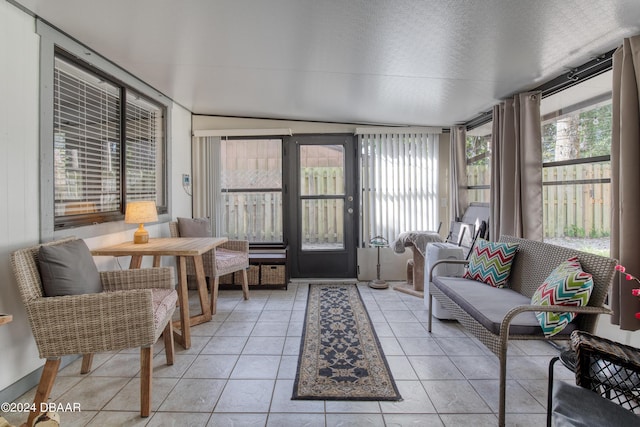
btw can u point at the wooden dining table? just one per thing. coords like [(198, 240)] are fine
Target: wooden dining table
[(182, 248)]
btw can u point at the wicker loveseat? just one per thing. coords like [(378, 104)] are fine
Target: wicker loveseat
[(495, 315)]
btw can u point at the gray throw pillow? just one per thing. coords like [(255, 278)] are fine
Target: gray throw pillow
[(194, 227), (68, 269)]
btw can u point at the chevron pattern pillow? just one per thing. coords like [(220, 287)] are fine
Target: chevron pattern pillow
[(490, 262), (567, 285)]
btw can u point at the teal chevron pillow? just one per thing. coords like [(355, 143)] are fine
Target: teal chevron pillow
[(490, 262), (568, 285)]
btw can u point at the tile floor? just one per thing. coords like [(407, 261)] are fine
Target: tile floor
[(241, 368)]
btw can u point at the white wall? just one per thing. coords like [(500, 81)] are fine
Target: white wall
[(20, 180)]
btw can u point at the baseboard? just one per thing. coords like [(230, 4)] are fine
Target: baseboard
[(29, 381)]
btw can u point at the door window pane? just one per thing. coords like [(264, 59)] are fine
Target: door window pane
[(321, 170), (322, 224)]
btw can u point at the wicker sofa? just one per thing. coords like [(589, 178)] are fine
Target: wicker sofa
[(495, 315)]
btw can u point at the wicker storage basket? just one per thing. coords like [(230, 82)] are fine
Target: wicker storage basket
[(272, 274), (253, 276), (227, 279)]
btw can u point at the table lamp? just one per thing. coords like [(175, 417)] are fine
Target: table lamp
[(139, 213)]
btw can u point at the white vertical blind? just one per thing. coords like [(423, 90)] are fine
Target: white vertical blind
[(205, 167), (399, 183)]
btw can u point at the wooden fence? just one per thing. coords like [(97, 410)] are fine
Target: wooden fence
[(579, 209), (258, 216)]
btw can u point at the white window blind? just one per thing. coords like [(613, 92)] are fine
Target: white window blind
[(143, 136), (87, 142), (105, 153), (399, 183)]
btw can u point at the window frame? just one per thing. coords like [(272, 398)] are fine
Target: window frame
[(578, 107), (52, 43), (469, 161)]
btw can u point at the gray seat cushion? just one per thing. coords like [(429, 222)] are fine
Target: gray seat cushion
[(578, 406), (489, 305)]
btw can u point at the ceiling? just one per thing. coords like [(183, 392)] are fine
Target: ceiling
[(395, 62)]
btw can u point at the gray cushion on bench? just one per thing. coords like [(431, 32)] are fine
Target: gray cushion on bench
[(489, 305)]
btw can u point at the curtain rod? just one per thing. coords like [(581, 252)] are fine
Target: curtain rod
[(575, 75)]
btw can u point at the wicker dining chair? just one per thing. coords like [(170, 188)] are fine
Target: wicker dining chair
[(133, 310), (229, 257)]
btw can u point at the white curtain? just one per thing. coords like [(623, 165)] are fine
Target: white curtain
[(204, 164), (399, 177)]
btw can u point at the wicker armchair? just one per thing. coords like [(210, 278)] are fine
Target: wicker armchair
[(133, 310), (608, 376), (227, 258)]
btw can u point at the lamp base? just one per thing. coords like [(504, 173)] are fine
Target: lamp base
[(141, 235), (378, 284)]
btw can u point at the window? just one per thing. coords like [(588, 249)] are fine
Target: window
[(250, 205), (576, 147), (109, 146), (478, 155)]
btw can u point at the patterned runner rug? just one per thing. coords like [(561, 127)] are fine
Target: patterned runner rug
[(340, 355)]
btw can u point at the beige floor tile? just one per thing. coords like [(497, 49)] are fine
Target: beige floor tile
[(239, 420), (128, 399), (217, 366), (193, 395), (296, 420), (518, 399), (355, 420), (264, 345), (117, 419), (455, 396), (434, 368), (225, 345), (178, 419), (477, 367), (282, 401), (475, 420), (417, 420), (93, 393), (420, 346), (246, 396), (353, 406), (257, 367), (414, 400)]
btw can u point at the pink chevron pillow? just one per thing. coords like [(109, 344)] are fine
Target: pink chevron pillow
[(490, 262), (567, 285)]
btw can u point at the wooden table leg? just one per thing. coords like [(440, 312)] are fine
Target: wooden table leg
[(156, 260), (184, 337), (136, 261), (202, 289)]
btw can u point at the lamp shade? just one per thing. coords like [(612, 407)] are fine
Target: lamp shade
[(141, 212)]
